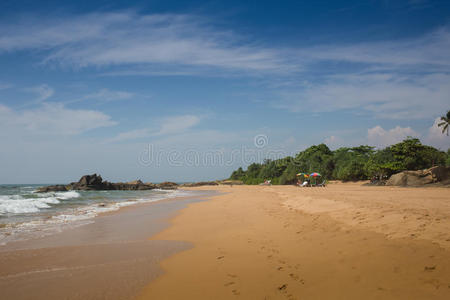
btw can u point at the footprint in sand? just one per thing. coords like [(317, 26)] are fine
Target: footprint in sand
[(229, 283), (236, 292), (429, 268), (297, 278)]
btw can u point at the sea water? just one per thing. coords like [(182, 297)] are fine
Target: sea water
[(24, 213)]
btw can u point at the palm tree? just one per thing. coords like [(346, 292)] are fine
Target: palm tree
[(445, 121)]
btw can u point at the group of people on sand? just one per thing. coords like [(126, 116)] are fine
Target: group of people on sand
[(307, 183), (305, 180), (266, 182)]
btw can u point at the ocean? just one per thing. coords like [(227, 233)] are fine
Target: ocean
[(26, 214)]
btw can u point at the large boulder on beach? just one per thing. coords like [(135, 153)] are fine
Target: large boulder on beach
[(420, 177)]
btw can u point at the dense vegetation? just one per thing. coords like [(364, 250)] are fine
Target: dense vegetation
[(356, 163)]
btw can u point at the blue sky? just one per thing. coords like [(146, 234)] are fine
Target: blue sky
[(190, 90)]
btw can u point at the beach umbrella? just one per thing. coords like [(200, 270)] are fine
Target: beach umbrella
[(315, 174), (303, 174)]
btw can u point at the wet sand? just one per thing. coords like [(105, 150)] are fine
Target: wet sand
[(111, 258), (344, 241)]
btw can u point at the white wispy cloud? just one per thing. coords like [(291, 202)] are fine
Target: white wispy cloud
[(131, 135), (190, 40), (106, 95), (103, 96), (172, 125), (50, 119), (178, 124), (129, 38), (397, 79), (4, 86), (43, 92), (427, 51), (382, 95)]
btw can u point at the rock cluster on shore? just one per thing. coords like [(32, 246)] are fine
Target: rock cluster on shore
[(200, 183), (95, 182), (421, 177), (211, 183)]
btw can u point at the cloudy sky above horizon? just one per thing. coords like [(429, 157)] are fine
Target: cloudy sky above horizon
[(190, 90)]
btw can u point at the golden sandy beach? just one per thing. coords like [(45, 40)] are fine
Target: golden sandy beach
[(345, 241)]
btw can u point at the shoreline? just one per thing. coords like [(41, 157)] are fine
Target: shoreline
[(54, 221), (111, 258), (280, 242)]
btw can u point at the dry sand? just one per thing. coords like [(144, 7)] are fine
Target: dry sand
[(344, 241)]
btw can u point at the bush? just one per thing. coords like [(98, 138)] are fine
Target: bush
[(355, 163)]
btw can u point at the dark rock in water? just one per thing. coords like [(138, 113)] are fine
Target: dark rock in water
[(136, 182), (201, 183), (95, 182), (420, 177), (132, 185), (167, 185), (53, 188), (212, 183), (146, 186), (91, 182)]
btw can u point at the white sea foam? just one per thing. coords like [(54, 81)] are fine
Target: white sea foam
[(67, 195), (73, 217), (17, 204), (93, 210)]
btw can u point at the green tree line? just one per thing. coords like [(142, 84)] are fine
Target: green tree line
[(354, 163)]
